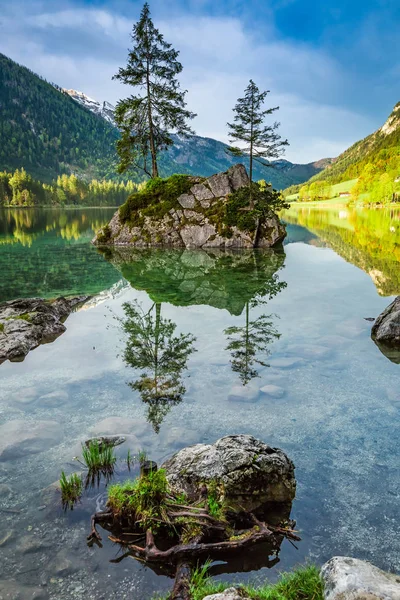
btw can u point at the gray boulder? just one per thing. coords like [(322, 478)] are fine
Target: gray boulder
[(353, 579), (251, 473), (386, 329), (28, 322)]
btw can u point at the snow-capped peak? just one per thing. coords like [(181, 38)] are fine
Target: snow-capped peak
[(105, 109)]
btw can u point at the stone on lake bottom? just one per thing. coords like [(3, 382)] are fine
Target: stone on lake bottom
[(273, 390), (243, 393), (286, 363), (19, 438), (13, 590)]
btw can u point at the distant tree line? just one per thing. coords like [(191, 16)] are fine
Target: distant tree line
[(20, 189)]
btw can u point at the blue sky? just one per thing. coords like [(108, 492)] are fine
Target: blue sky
[(332, 67)]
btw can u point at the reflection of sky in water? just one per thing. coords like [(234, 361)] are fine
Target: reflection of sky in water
[(338, 421)]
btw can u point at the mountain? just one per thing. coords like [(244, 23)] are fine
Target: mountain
[(380, 149), (49, 130), (105, 110), (203, 156)]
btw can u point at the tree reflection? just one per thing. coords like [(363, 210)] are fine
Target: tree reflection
[(249, 343), (153, 348)]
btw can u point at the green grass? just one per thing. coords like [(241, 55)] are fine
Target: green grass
[(336, 189), (71, 489), (1, 327), (304, 583), (98, 457), (141, 500)]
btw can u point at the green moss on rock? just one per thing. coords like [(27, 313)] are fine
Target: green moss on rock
[(155, 200), (104, 237)]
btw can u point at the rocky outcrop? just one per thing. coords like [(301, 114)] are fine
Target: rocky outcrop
[(29, 322), (251, 473), (191, 223), (386, 329), (354, 579)]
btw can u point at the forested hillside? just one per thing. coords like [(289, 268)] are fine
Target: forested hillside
[(49, 131), (46, 132), (373, 161)]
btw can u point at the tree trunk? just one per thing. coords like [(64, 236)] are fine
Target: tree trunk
[(251, 151), (154, 167)]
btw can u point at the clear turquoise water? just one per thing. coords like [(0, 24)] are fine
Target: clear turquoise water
[(338, 418)]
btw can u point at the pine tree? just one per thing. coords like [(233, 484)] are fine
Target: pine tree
[(147, 119), (261, 141)]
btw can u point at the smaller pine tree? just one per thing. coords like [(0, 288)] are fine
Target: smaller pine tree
[(261, 142)]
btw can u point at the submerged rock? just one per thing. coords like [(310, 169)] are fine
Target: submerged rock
[(19, 438), (356, 579), (194, 221), (28, 322), (13, 590), (111, 440), (251, 473)]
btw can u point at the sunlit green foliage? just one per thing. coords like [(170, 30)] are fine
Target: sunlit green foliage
[(146, 119), (20, 189)]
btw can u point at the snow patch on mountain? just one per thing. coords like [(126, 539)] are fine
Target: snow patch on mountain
[(104, 109)]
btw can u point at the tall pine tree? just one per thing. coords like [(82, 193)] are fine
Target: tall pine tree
[(146, 120), (260, 141)]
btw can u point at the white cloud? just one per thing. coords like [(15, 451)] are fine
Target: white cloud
[(219, 57)]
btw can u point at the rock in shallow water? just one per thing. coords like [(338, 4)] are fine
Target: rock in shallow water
[(251, 472), (348, 578), (386, 329), (28, 322)]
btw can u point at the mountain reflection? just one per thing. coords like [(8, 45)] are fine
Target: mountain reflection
[(367, 238), (153, 348)]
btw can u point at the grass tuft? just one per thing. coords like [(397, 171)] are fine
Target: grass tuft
[(71, 489), (98, 457)]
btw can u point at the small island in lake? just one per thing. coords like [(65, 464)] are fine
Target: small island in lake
[(197, 212)]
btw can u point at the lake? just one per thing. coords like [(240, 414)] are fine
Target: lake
[(336, 414)]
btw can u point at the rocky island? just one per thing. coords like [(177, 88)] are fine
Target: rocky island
[(195, 212)]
